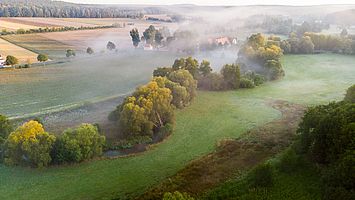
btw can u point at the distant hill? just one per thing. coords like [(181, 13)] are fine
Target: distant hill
[(346, 17), (48, 8)]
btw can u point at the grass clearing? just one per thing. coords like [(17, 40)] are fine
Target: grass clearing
[(212, 116)]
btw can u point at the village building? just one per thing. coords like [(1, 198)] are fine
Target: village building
[(2, 62)]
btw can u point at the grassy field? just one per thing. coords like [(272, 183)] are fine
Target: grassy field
[(43, 89), (24, 55), (310, 79)]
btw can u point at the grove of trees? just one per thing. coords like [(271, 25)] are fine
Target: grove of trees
[(31, 145), (262, 56)]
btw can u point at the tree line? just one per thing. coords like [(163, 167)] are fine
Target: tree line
[(311, 42), (47, 8), (53, 29)]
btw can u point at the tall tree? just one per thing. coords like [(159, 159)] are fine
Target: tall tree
[(135, 37), (149, 34)]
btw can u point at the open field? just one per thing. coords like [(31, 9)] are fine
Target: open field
[(54, 87), (24, 55), (43, 89), (55, 43), (310, 79)]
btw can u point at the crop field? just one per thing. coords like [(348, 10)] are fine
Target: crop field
[(310, 79), (24, 55)]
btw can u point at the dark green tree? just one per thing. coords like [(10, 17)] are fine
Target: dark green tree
[(42, 58), (89, 50), (110, 46), (135, 37)]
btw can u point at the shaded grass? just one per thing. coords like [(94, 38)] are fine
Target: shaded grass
[(302, 184)]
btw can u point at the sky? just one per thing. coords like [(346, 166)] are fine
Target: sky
[(217, 2)]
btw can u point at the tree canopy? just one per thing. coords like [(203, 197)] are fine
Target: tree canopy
[(11, 60), (29, 144)]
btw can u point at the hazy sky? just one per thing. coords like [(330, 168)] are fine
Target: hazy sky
[(218, 2)]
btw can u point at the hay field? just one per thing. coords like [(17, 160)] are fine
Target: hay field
[(24, 55), (8, 25), (15, 23)]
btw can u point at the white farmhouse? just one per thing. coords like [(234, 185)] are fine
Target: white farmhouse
[(2, 62)]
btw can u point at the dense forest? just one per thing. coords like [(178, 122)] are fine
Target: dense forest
[(47, 8)]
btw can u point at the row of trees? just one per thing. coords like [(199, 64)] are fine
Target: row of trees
[(151, 36), (53, 29), (31, 145), (277, 24), (327, 137), (47, 8), (315, 42)]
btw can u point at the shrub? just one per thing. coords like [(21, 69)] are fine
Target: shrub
[(212, 81), (246, 83), (350, 94), (29, 144), (231, 76), (289, 161), (78, 144), (261, 176), (164, 131), (339, 179), (177, 196)]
